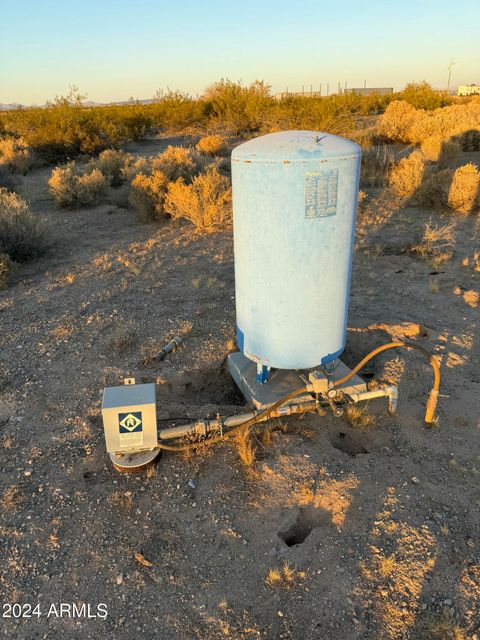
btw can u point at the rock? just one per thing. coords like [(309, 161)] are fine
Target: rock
[(415, 480)]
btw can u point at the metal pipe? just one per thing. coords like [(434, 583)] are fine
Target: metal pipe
[(168, 348), (387, 392), (205, 427)]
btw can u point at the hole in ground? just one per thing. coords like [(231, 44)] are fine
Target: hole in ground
[(212, 385), (308, 518), (351, 442)]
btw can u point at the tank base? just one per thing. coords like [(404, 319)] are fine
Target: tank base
[(280, 381), (133, 462)]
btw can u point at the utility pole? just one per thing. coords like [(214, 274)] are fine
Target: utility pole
[(450, 66)]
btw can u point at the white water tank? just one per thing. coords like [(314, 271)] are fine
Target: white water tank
[(294, 205)]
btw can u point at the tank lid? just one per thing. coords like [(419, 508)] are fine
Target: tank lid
[(295, 146)]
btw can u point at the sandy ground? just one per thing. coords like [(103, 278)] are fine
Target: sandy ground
[(382, 522)]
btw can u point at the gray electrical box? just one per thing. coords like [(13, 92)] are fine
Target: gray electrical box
[(130, 418)]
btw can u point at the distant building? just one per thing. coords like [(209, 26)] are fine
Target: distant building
[(364, 91), (368, 91), (468, 90)]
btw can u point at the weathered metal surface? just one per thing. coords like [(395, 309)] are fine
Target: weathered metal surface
[(294, 202)]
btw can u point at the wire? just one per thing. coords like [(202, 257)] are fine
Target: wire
[(260, 417)]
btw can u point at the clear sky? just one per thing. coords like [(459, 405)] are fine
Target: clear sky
[(116, 49)]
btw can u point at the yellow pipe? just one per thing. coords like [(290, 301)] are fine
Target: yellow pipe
[(433, 396)]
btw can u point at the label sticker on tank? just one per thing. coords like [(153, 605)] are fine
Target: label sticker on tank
[(321, 189)]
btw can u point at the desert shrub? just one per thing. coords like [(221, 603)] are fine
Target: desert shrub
[(403, 123), (470, 140), (72, 185), (421, 95), (397, 120), (433, 192), (177, 110), (15, 154), (211, 145), (135, 167), (175, 163), (7, 179), (23, 236), (112, 163), (376, 165), (206, 202), (148, 194), (450, 122), (135, 122), (457, 189), (407, 175), (464, 192), (436, 245), (5, 267), (445, 152), (239, 108)]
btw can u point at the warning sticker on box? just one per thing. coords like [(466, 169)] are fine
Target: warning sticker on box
[(321, 190), (130, 429)]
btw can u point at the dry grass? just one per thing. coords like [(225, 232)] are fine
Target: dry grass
[(10, 499), (5, 268), (206, 202), (359, 416), (245, 447), (472, 262), (444, 152), (151, 471), (443, 626), (408, 174), (72, 185), (15, 154), (148, 194), (387, 566), (123, 339), (284, 577), (23, 236), (436, 245), (212, 145), (376, 164), (120, 499)]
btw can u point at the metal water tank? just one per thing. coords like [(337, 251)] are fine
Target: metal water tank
[(294, 206)]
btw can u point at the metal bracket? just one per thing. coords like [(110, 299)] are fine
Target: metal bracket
[(262, 373)]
